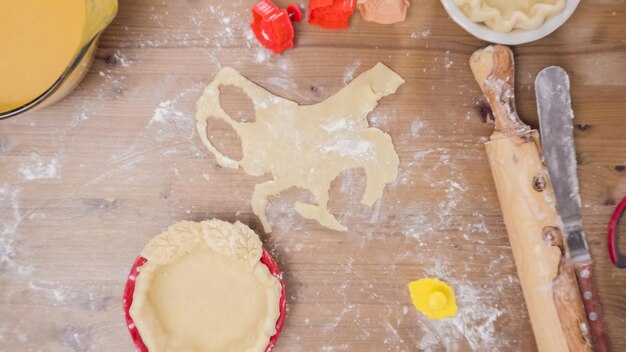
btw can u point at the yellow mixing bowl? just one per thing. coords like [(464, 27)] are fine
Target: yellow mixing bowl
[(98, 14)]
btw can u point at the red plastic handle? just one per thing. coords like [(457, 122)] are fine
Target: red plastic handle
[(129, 290), (616, 258)]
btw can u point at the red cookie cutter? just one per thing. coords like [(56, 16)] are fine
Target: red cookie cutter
[(331, 14), (272, 26), (129, 290)]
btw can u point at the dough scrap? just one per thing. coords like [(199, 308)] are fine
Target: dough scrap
[(383, 11), (506, 15), (307, 146), (204, 289)]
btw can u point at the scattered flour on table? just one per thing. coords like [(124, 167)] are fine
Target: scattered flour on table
[(229, 29), (234, 30), (447, 61), (36, 168), (262, 55), (90, 297), (170, 129), (442, 217), (175, 117), (416, 126), (10, 219), (423, 33), (329, 348), (379, 119), (121, 59), (50, 289), (474, 321), (347, 181), (78, 338), (296, 93), (164, 110), (348, 74)]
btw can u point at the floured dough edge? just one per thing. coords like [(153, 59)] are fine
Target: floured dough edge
[(236, 241), (479, 11)]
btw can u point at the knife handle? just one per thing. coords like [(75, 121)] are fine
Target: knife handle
[(584, 274)]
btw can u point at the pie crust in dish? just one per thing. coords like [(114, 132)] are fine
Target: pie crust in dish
[(203, 288), (507, 15)]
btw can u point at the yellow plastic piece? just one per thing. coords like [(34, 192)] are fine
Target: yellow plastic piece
[(434, 298)]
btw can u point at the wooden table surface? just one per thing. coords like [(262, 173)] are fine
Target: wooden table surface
[(84, 184)]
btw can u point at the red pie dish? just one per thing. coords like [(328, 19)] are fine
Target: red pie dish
[(129, 291)]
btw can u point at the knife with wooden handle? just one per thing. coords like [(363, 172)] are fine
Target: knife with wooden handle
[(557, 137), (533, 225)]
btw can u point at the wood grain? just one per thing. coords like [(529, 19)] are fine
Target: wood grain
[(129, 163)]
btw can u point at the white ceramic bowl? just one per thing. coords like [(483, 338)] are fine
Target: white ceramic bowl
[(514, 37)]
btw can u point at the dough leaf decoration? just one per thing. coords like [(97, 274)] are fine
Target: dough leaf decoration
[(247, 247), (236, 241), (218, 240)]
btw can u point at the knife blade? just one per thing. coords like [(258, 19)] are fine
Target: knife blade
[(552, 88), (557, 137)]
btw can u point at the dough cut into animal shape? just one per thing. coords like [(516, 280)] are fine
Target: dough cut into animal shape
[(307, 146), (204, 289), (506, 15)]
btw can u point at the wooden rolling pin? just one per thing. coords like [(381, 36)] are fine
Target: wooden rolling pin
[(527, 200)]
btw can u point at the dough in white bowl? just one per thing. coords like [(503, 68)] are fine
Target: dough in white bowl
[(507, 15)]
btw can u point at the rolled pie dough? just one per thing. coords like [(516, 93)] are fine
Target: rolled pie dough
[(506, 15), (204, 289), (307, 146)]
